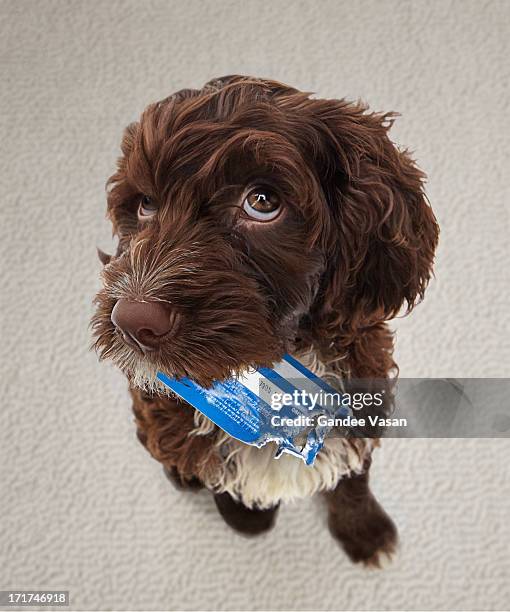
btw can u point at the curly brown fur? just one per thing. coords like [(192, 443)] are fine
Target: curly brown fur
[(352, 243), (164, 426)]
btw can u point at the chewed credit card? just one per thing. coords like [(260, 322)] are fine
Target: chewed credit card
[(277, 404)]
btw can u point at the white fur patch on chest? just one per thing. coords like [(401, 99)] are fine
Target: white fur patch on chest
[(256, 478)]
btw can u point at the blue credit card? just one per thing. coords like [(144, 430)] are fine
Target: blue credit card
[(277, 404)]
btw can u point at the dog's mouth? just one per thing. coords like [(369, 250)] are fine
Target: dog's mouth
[(142, 364), (206, 345)]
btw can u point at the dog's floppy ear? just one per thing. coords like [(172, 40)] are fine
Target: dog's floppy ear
[(381, 246), (122, 200)]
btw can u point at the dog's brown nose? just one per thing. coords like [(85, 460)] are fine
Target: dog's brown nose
[(142, 324)]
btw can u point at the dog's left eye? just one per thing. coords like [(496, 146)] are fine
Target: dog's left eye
[(147, 207), (261, 204)]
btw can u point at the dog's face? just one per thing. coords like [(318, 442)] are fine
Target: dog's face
[(252, 220)]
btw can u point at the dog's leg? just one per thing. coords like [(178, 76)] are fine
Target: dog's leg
[(359, 523), (246, 521)]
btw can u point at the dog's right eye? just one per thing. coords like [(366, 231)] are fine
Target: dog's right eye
[(147, 207)]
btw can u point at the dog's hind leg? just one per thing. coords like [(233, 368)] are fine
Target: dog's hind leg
[(247, 521), (358, 522)]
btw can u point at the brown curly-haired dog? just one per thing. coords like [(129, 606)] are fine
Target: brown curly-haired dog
[(254, 220)]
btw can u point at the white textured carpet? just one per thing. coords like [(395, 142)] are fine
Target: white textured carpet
[(82, 506)]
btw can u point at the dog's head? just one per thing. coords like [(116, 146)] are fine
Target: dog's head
[(253, 220)]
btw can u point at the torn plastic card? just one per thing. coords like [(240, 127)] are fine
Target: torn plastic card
[(245, 406)]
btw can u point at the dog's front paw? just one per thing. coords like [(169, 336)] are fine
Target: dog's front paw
[(246, 521), (370, 537)]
